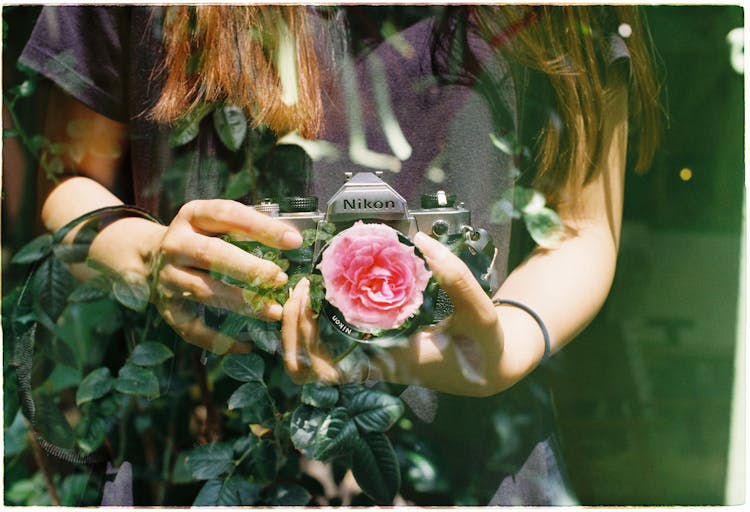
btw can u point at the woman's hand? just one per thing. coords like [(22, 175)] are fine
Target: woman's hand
[(187, 252), (461, 355)]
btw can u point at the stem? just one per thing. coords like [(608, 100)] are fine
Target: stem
[(150, 452), (123, 433), (165, 463), (346, 352), (17, 126), (39, 459), (213, 425), (280, 458)]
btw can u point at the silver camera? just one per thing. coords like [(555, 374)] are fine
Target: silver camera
[(366, 197)]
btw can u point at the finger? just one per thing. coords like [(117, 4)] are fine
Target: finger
[(189, 249), (320, 360), (456, 279), (290, 336), (225, 216), (181, 317), (198, 286)]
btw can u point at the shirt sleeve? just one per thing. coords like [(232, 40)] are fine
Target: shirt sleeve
[(83, 50)]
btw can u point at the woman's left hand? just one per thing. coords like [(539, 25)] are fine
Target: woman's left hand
[(460, 355)]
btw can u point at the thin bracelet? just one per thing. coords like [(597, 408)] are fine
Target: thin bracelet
[(533, 314)]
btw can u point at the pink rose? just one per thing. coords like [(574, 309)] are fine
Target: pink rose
[(375, 281)]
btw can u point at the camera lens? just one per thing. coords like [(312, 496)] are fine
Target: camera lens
[(298, 204)]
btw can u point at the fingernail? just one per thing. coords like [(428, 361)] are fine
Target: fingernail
[(291, 239), (430, 247), (274, 311), (280, 279)]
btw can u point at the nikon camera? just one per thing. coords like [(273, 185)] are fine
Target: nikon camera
[(366, 197)]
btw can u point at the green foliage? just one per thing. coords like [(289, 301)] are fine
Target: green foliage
[(95, 385), (187, 127), (244, 367), (232, 492), (376, 468), (374, 411), (231, 126), (136, 380), (210, 461), (150, 353), (246, 395)]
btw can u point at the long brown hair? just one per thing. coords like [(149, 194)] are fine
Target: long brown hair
[(216, 52), (224, 52), (567, 44)]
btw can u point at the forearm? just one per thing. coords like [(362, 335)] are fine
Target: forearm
[(73, 198), (566, 287)]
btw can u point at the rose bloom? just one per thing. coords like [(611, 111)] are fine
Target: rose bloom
[(376, 281)]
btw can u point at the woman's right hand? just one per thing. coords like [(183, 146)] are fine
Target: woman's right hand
[(187, 251)]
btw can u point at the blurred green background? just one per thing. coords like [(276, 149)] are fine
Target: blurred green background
[(644, 395)]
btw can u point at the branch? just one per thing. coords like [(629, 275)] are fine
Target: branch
[(39, 459), (213, 424)]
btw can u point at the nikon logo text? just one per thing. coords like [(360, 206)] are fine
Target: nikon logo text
[(340, 325), (366, 204)]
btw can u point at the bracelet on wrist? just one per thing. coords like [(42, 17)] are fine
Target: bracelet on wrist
[(534, 315)]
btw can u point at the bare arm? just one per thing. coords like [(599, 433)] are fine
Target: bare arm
[(187, 249), (566, 286)]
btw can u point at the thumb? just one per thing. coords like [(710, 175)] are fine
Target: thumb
[(456, 279)]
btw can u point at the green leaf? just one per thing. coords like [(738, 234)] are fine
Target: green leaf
[(421, 473), (150, 353), (78, 249), (133, 295), (545, 227), (234, 491), (95, 288), (79, 490), (95, 385), (50, 286), (231, 126), (210, 460), (15, 439), (306, 420), (135, 380), (266, 335), (93, 427), (290, 495), (375, 467), (319, 395), (188, 126), (264, 462), (246, 395), (51, 423), (244, 367), (62, 377), (336, 434), (503, 212), (239, 185), (181, 473), (375, 411), (35, 250), (25, 89), (504, 144), (30, 491)]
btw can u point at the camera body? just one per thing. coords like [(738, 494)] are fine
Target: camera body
[(366, 197)]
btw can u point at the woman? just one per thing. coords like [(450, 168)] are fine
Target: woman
[(450, 84)]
